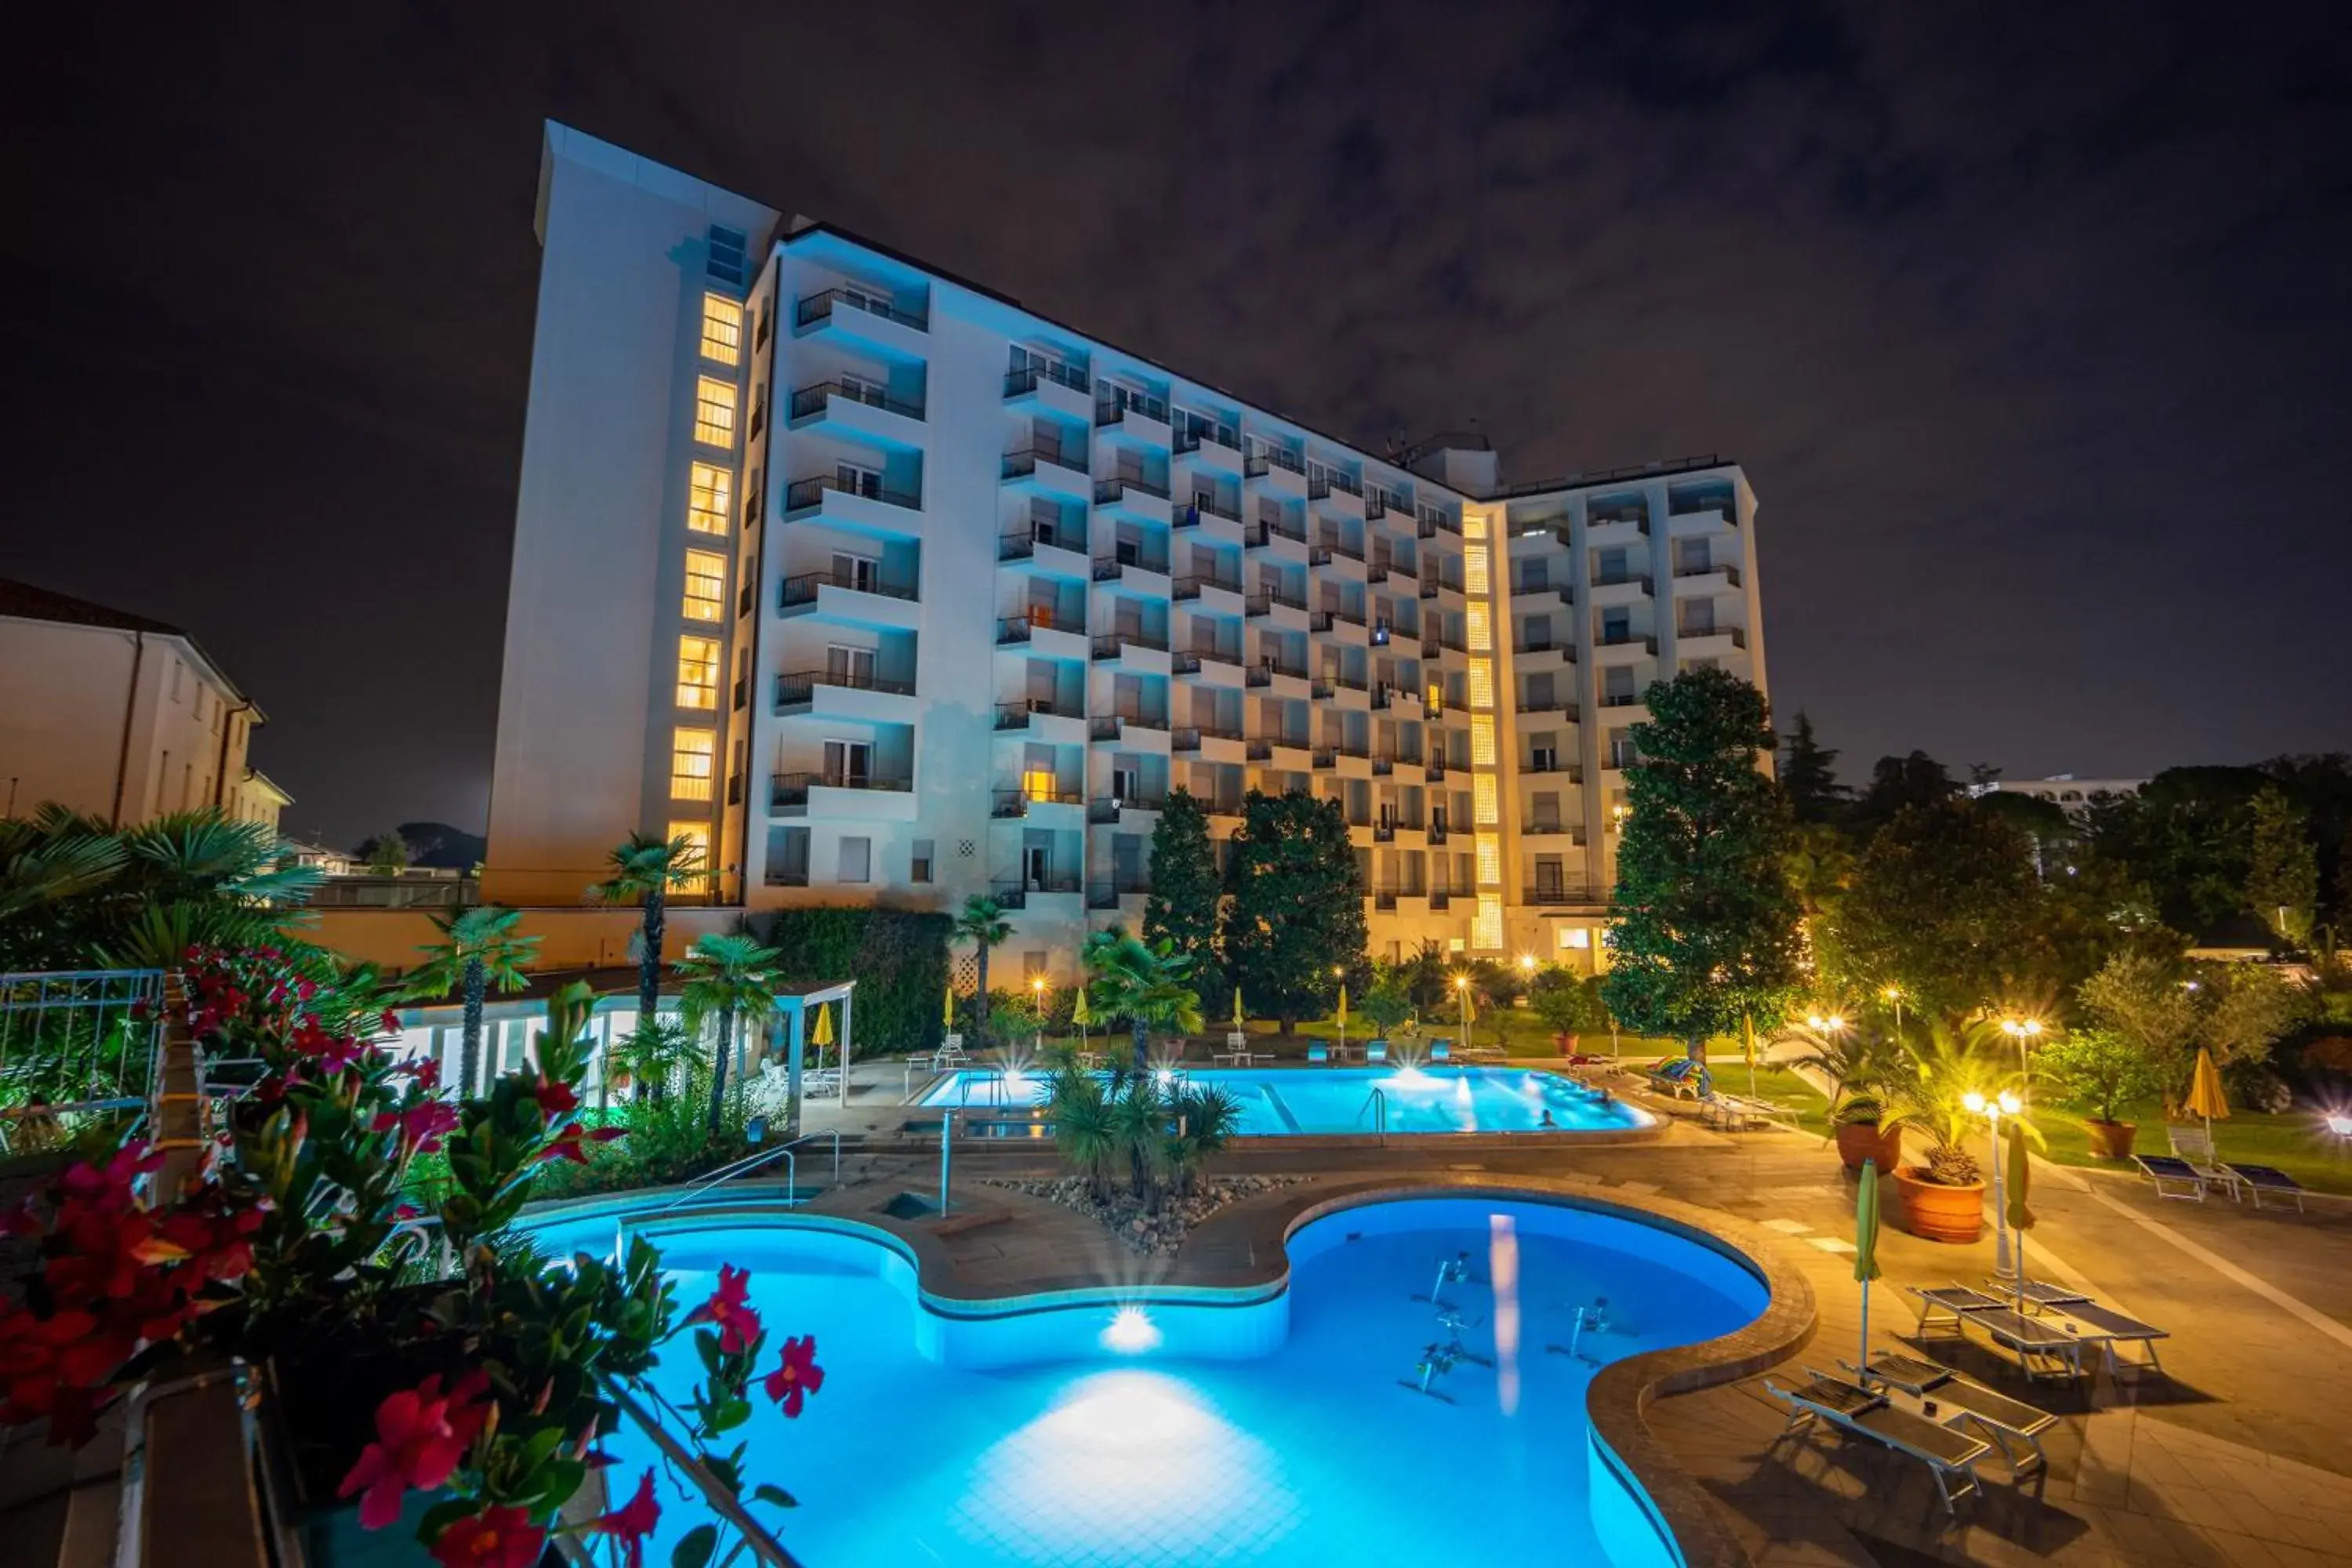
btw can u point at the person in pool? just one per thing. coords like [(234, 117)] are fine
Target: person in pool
[(1547, 1120)]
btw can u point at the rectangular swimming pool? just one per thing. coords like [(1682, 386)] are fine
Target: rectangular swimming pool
[(1295, 1102)]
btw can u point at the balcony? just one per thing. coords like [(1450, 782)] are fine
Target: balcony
[(1041, 718), (862, 318), (1703, 512), (1212, 445), (1618, 590), (1621, 700), (1016, 804), (1051, 552), (845, 694), (1713, 643), (862, 507), (1066, 390), (1268, 461), (1553, 768), (1108, 895), (1726, 576), (1616, 525), (1619, 646), (1187, 588), (859, 410), (865, 795), (1550, 828), (1039, 631), (850, 598), (1134, 496), (1204, 505), (1016, 894), (1046, 469), (1145, 727), (1561, 895), (1138, 415)]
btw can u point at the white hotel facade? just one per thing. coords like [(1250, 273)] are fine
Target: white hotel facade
[(891, 589)]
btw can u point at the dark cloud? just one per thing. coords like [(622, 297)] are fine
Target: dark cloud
[(2031, 323)]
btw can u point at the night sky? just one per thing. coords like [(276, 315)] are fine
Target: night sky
[(2031, 326)]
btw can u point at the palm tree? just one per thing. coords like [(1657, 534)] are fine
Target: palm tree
[(1080, 1110), (982, 924), (1138, 1129), (730, 976), (1928, 1090), (1145, 983), (644, 871), (1203, 1117), (479, 948)]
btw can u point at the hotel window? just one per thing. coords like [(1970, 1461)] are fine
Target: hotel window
[(710, 494), (691, 754), (698, 835), (697, 673), (722, 330), (706, 586), (714, 412), (918, 866)]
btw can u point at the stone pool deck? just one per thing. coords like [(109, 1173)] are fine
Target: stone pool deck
[(2240, 1459)]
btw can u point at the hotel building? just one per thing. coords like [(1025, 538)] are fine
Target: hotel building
[(886, 587)]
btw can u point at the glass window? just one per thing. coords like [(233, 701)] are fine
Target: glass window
[(706, 586), (698, 672), (698, 835), (710, 494), (722, 330), (714, 412), (691, 754), (919, 869)]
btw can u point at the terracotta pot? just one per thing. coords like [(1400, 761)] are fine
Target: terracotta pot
[(2111, 1140), (1860, 1141), (1566, 1044), (1935, 1212)]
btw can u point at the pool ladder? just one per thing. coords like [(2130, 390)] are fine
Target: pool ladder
[(1377, 1103)]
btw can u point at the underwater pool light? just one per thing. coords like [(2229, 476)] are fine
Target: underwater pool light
[(1131, 1331)]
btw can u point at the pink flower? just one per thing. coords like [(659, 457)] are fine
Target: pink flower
[(495, 1537), (731, 1310), (554, 1097), (566, 1145), (631, 1523), (796, 1376), (422, 1125), (422, 1433)]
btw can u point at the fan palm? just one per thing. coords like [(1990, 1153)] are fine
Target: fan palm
[(53, 859), (1079, 1109), (1138, 1129), (1145, 983), (1929, 1088), (982, 924), (479, 948), (1203, 1117), (730, 977), (644, 871)]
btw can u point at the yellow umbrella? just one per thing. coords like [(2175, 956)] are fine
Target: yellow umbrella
[(1237, 1008), (2205, 1096), (2019, 1217), (1081, 1015), (1343, 1004), (947, 1013), (1865, 1246), (820, 1032)]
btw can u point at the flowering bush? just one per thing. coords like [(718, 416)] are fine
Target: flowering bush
[(489, 1380)]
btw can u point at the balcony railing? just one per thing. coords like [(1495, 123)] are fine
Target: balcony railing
[(1190, 587), (1624, 639), (800, 685), (1189, 437), (1016, 715), (1636, 516), (1014, 630), (1203, 504), (1257, 464), (802, 588), (1114, 490), (1552, 895), (812, 400), (1285, 597), (1730, 573), (792, 789), (1109, 568), (1114, 404), (1023, 463), (812, 309), (1738, 634), (1016, 894), (786, 877), (1113, 645), (1021, 383), (1013, 802), (1620, 699), (802, 494), (1022, 546), (1106, 894)]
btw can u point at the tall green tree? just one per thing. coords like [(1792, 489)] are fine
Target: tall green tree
[(2186, 836), (644, 871), (734, 979), (1146, 983), (1897, 783), (481, 949), (1296, 905), (982, 923), (1945, 903), (386, 853), (1703, 930), (1809, 775), (2281, 865), (1187, 891)]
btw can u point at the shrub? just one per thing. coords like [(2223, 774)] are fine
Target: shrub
[(2101, 1072), (899, 958)]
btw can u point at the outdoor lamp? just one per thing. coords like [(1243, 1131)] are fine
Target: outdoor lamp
[(1974, 1102), (1528, 962), (2339, 1123), (1461, 982)]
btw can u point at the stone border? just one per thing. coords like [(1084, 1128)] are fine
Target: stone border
[(1615, 1405)]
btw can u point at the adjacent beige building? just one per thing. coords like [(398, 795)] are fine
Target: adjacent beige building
[(119, 717)]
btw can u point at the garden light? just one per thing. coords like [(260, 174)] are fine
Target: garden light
[(2339, 1123)]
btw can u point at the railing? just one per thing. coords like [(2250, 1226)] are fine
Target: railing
[(1203, 501), (809, 400), (802, 494), (1730, 573), (74, 1043), (1738, 634), (812, 309), (1106, 894), (1021, 546), (1019, 464), (1437, 829), (792, 789), (1114, 490), (1638, 517), (1113, 404), (1190, 437), (1610, 475), (1550, 895), (1624, 639), (1017, 628), (1013, 802), (802, 588), (786, 877), (1015, 894), (1022, 382), (1110, 568), (800, 685), (396, 893), (1286, 598), (1377, 1103)]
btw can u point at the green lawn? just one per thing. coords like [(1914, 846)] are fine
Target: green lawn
[(2294, 1142)]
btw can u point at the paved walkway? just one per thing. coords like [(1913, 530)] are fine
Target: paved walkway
[(2241, 1457)]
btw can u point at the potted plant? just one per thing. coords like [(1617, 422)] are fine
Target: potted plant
[(1862, 1136), (1929, 1089), (1854, 1060), (1569, 1006), (2103, 1073)]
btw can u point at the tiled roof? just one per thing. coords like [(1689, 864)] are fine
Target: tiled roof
[(27, 602)]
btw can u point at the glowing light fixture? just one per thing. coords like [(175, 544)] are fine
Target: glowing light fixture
[(1131, 1331)]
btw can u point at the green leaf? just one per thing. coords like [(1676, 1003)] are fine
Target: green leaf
[(695, 1550), (767, 1492)]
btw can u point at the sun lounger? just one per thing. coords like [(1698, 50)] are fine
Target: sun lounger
[(2034, 1341), (1375, 1051), (2195, 1145), (1942, 1306), (1319, 1054), (1950, 1455), (1680, 1078), (2106, 1328), (2174, 1176), (2035, 1292), (2261, 1180), (1441, 1051), (1941, 1395)]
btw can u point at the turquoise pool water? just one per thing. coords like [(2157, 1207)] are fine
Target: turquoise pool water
[(1294, 1100), (1139, 1429)]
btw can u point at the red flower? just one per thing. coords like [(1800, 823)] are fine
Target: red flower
[(631, 1523), (390, 1023), (495, 1537), (738, 1322), (422, 1433), (554, 1097), (565, 1145), (796, 1376), (422, 1125)]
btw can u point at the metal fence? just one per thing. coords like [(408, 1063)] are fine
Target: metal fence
[(74, 1045)]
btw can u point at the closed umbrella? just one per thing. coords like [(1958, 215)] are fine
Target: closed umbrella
[(2019, 1217), (821, 1034), (947, 1008), (1342, 1016), (1081, 1015), (1865, 1246), (1237, 1008), (2205, 1096)]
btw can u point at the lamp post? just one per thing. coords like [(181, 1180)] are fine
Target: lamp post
[(1893, 994), (1462, 990), (1340, 972), (2023, 1031), (1992, 1111), (1827, 1024), (1038, 994)]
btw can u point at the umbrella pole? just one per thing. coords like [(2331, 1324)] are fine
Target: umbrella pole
[(1864, 1364)]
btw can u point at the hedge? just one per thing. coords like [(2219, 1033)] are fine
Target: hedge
[(899, 958)]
